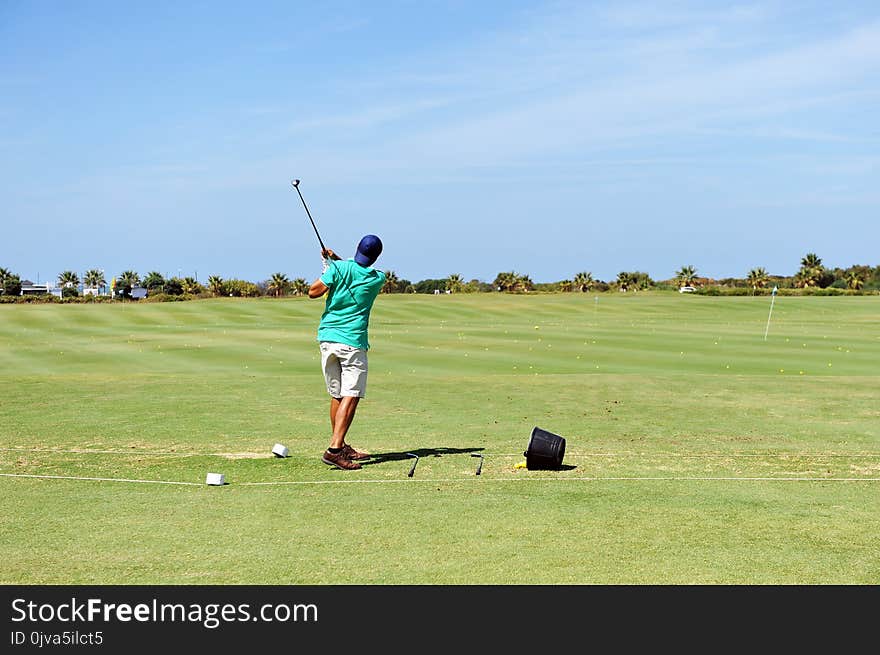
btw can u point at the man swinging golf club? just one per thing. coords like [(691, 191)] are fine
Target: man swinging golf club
[(351, 287)]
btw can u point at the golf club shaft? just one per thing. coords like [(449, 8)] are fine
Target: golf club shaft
[(311, 220)]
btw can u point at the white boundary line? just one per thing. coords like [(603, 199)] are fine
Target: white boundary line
[(565, 479), (71, 477), (686, 455), (449, 480), (269, 455), (86, 451)]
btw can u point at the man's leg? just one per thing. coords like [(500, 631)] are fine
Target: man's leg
[(341, 415), (334, 407), (342, 408)]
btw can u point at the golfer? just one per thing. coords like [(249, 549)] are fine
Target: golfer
[(351, 287)]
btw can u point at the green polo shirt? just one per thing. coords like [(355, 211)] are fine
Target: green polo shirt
[(352, 290)]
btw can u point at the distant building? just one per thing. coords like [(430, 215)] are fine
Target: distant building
[(28, 288)]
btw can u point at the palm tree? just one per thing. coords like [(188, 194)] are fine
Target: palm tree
[(566, 285), (454, 283), (583, 282), (278, 284), (854, 281), (125, 281), (299, 286), (391, 281), (128, 279), (68, 279), (10, 285), (758, 278), (173, 286), (808, 276), (94, 278), (506, 281), (153, 281), (643, 280), (191, 286), (686, 276), (811, 260), (5, 274), (624, 280), (215, 283), (811, 272), (521, 283)]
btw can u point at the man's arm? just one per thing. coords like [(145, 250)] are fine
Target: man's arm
[(318, 289)]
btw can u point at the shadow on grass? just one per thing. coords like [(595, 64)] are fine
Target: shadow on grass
[(379, 458)]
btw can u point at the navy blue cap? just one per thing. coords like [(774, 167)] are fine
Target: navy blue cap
[(368, 250)]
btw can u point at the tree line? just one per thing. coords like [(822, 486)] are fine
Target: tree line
[(812, 274)]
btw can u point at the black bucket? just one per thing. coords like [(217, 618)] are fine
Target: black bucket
[(545, 450)]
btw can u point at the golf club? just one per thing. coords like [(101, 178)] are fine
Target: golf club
[(480, 465), (295, 184), (413, 469)]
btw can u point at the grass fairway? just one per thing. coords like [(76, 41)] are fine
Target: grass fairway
[(698, 451)]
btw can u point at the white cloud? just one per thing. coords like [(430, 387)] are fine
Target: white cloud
[(567, 88), (561, 86), (653, 15)]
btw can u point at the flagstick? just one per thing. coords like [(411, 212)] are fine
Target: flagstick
[(772, 300)]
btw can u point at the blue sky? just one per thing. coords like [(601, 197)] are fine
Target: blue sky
[(546, 138)]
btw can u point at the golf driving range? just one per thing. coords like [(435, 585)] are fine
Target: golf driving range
[(704, 443)]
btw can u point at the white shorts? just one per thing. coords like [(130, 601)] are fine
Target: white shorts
[(345, 369)]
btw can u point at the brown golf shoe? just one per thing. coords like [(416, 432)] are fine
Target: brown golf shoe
[(339, 460), (354, 454)]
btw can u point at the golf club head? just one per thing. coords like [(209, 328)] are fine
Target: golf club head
[(413, 468), (295, 183), (480, 465)]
